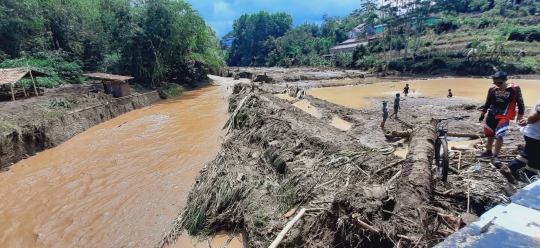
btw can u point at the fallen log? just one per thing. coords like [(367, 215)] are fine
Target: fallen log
[(414, 185), (403, 134)]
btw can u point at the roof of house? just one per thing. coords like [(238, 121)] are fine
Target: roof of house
[(359, 27), (348, 46), (12, 75), (105, 76)]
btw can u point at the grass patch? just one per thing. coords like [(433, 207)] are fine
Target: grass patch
[(171, 91), (55, 113), (286, 194), (9, 127)]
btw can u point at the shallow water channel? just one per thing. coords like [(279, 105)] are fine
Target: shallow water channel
[(118, 184)]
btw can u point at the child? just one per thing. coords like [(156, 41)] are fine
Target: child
[(449, 93), (396, 105), (384, 115), (406, 90)]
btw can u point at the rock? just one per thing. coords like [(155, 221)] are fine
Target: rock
[(240, 177), (377, 192)]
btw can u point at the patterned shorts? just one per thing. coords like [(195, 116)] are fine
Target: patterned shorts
[(496, 126)]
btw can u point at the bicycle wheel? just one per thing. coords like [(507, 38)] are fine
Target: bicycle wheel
[(441, 158)]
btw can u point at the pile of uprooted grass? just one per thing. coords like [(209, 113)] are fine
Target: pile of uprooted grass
[(267, 168)]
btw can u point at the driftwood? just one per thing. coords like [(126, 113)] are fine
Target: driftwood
[(289, 225), (389, 166), (358, 222), (414, 185), (282, 234), (403, 134)]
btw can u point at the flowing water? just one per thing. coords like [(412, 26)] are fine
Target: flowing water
[(118, 184), (467, 89)]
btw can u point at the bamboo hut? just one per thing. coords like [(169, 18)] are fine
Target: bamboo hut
[(8, 78)]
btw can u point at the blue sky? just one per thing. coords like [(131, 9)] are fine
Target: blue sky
[(220, 14)]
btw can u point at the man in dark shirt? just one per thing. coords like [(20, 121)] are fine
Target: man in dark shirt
[(501, 103)]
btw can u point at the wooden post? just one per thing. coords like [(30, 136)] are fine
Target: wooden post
[(33, 81), (12, 94), (24, 90)]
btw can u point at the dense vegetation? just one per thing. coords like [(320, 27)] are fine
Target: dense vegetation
[(156, 41), (469, 36)]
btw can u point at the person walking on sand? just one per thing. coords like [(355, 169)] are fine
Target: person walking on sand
[(396, 105), (384, 115), (449, 93), (406, 90), (500, 106), (530, 157)]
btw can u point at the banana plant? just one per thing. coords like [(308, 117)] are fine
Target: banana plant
[(475, 49)]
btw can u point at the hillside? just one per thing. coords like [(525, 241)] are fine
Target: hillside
[(469, 36)]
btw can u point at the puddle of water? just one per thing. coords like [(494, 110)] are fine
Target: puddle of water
[(341, 124), (468, 89), (285, 97), (306, 106), (460, 144), (118, 184), (402, 153)]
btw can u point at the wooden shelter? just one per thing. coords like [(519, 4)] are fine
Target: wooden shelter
[(115, 85), (8, 78)]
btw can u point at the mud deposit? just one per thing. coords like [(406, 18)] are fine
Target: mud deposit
[(287, 152), (118, 184)]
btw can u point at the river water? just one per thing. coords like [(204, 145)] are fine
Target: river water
[(467, 89), (118, 184)]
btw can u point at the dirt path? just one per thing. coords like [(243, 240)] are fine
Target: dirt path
[(118, 184)]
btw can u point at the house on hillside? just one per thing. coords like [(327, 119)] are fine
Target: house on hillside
[(359, 35)]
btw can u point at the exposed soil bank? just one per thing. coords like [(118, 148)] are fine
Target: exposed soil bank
[(50, 132)]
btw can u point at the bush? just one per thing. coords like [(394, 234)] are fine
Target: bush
[(438, 62), (529, 34), (170, 91), (55, 63), (397, 65), (446, 24)]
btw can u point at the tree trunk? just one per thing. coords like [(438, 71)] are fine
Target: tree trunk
[(407, 38), (414, 187), (402, 134)]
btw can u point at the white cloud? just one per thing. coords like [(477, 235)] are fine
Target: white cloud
[(220, 14), (222, 8)]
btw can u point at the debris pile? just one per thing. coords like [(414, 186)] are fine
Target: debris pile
[(286, 178)]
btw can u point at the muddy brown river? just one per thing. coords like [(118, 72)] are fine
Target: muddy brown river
[(118, 184)]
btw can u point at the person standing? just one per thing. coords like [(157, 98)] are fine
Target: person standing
[(396, 105), (385, 115), (501, 102), (530, 157)]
